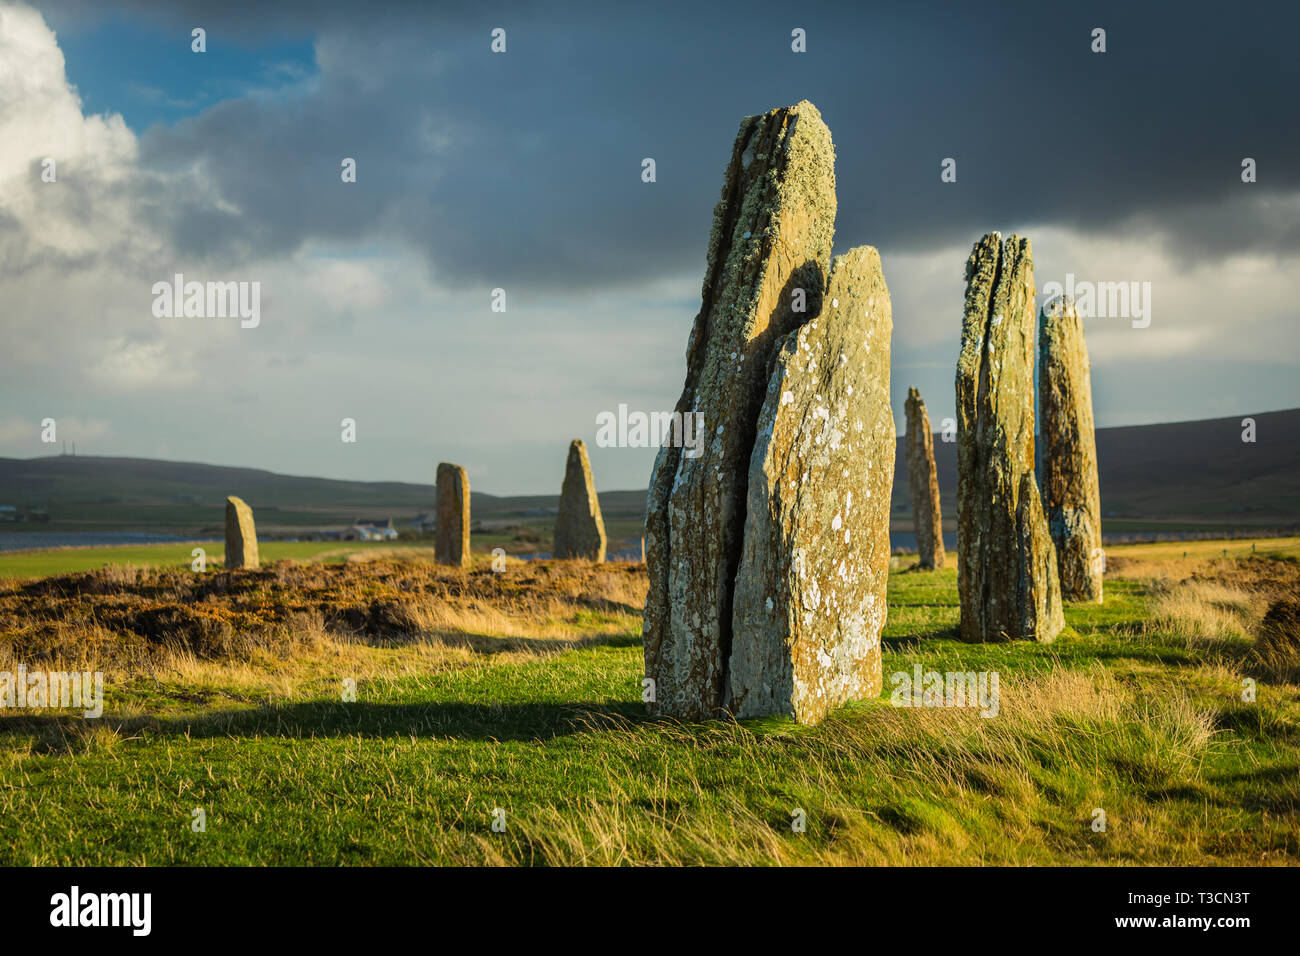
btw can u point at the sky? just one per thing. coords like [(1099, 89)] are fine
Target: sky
[(522, 171)]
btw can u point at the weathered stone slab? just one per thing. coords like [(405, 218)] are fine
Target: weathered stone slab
[(809, 598), (579, 528), (241, 535), (772, 234), (923, 483), (1041, 616), (451, 543), (1006, 563), (1072, 496)]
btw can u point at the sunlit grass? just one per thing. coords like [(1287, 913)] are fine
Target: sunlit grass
[(523, 693)]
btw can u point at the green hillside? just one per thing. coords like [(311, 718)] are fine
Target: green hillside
[(106, 494), (1188, 474), (1198, 473)]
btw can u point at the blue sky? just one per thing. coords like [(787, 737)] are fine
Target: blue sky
[(147, 73)]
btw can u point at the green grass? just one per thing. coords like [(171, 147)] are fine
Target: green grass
[(28, 564), (624, 533), (1113, 715)]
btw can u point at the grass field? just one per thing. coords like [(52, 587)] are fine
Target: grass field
[(28, 564), (524, 537), (520, 693)]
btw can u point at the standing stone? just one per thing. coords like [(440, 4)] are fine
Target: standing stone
[(923, 483), (579, 529), (1006, 563), (241, 535), (769, 253), (1070, 489), (1041, 617), (451, 545), (809, 601)]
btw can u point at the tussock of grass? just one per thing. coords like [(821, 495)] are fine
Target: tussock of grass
[(1277, 647), (1200, 613)]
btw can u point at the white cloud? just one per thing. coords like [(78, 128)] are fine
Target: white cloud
[(41, 118), (128, 366)]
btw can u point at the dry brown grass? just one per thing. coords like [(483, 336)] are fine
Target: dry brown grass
[(1203, 613), (1239, 608), (288, 623)]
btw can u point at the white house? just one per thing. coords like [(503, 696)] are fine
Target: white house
[(369, 529)]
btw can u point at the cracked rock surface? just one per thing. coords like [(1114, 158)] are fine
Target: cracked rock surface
[(1071, 494), (1006, 563), (748, 550), (809, 598)]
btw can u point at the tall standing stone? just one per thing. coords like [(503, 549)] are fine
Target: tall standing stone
[(769, 253), (923, 483), (451, 544), (1006, 562), (241, 536), (579, 529), (1072, 497), (809, 599)]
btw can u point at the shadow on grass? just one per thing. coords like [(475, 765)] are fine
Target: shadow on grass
[(320, 719), (490, 644), (896, 642)]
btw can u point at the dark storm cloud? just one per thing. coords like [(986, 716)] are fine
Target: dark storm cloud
[(525, 168)]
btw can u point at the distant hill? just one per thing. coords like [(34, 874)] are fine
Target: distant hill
[(1184, 470), (90, 493), (1183, 473)]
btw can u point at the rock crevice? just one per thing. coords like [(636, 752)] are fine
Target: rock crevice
[(1006, 563), (1071, 494), (769, 371), (809, 600)]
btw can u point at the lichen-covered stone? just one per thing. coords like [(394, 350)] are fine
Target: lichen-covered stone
[(579, 529), (772, 234), (1006, 563), (809, 597), (1040, 616), (1071, 494), (451, 543), (923, 483), (241, 535)]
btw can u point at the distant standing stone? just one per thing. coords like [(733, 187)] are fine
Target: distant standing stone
[(241, 535), (579, 529), (1072, 497), (1007, 577), (923, 483), (451, 544)]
